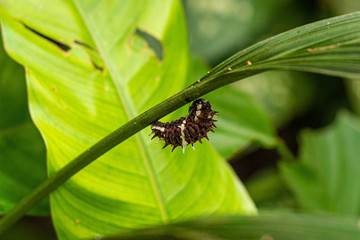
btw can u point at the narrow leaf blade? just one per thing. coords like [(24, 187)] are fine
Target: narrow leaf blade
[(269, 225), (330, 46)]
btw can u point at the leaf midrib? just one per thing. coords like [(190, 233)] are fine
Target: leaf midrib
[(123, 95)]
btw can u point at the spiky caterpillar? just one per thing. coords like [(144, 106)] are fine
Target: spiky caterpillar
[(187, 130)]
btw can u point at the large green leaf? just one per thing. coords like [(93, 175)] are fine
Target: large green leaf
[(269, 225), (95, 74), (326, 178), (22, 151)]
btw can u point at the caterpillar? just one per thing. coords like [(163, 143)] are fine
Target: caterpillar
[(186, 130)]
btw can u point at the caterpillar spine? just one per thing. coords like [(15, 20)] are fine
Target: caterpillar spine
[(187, 130)]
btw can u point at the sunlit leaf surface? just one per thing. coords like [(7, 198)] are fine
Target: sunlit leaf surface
[(90, 70)]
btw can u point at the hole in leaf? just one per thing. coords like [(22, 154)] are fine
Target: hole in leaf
[(62, 46), (153, 43)]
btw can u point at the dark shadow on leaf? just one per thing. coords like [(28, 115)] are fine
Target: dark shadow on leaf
[(61, 45), (92, 60), (83, 44), (96, 66), (154, 43)]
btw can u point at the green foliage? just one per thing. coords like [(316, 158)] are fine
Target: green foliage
[(92, 66), (325, 177), (330, 46), (217, 29)]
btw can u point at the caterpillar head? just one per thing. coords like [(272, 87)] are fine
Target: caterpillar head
[(201, 109)]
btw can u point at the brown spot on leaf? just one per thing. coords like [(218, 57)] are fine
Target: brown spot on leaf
[(266, 237), (53, 87), (324, 48)]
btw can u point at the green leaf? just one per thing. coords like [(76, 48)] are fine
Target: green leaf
[(22, 151), (269, 225), (327, 175), (330, 46), (76, 98)]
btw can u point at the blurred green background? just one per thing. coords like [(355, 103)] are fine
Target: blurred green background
[(293, 101)]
